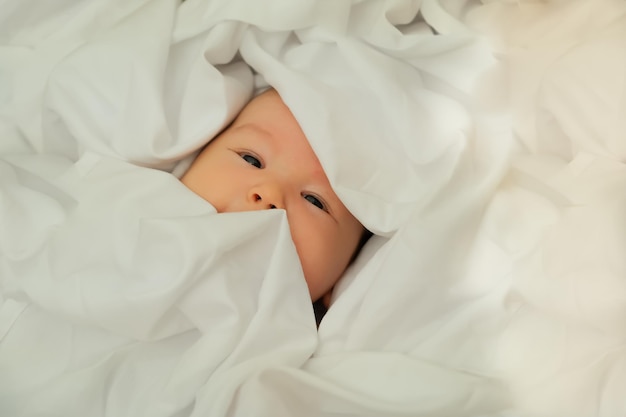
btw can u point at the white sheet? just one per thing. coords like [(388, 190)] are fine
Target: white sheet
[(149, 288), (496, 286)]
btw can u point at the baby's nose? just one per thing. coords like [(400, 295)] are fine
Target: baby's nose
[(267, 198), (263, 203)]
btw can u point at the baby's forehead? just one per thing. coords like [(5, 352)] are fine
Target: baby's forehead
[(267, 102), (285, 145), (267, 118)]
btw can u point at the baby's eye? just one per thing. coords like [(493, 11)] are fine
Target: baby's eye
[(252, 160), (315, 201)]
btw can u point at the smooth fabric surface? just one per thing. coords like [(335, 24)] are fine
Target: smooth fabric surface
[(482, 141)]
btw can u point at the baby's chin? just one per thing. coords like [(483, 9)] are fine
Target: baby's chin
[(320, 289)]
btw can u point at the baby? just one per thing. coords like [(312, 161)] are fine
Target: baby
[(264, 161)]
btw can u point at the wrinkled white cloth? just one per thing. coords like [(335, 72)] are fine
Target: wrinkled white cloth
[(149, 287), (488, 158)]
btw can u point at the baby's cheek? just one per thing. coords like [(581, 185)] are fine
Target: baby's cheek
[(317, 256)]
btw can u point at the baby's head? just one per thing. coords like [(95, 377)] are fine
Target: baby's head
[(263, 161)]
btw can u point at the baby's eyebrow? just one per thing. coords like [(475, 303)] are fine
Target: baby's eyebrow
[(256, 129)]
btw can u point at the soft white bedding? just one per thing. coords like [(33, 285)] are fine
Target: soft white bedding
[(489, 159)]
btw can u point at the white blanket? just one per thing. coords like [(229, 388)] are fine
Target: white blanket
[(489, 159), (147, 287)]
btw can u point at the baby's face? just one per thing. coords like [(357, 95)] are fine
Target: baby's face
[(263, 161)]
